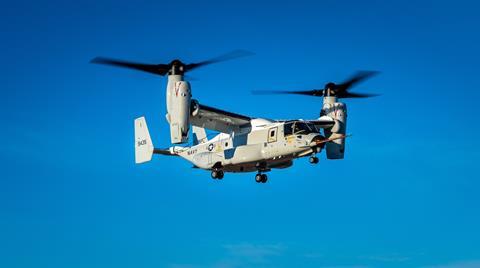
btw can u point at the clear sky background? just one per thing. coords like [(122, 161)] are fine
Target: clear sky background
[(406, 195)]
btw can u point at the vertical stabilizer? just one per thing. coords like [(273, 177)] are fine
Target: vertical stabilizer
[(143, 142), (199, 135)]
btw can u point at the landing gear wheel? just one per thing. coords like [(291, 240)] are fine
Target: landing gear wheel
[(313, 160), (264, 178), (217, 174), (259, 178)]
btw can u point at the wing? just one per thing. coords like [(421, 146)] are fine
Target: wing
[(219, 120)]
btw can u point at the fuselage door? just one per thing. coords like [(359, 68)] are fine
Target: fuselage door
[(271, 146), (272, 134)]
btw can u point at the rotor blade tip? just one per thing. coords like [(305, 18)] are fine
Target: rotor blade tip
[(94, 60)]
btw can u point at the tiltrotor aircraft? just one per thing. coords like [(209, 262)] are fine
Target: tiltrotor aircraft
[(244, 144)]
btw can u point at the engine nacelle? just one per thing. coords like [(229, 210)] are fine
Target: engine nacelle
[(338, 111), (178, 105)]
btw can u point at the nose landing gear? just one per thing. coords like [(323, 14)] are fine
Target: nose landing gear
[(313, 159), (261, 178), (217, 174)]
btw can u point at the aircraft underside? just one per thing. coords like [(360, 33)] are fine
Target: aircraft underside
[(266, 165)]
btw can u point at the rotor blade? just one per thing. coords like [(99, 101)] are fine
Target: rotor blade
[(357, 78), (314, 92), (321, 141), (349, 95), (160, 69), (228, 56)]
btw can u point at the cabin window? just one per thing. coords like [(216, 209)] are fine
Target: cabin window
[(272, 134)]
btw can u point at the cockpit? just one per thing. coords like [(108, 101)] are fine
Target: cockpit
[(298, 128)]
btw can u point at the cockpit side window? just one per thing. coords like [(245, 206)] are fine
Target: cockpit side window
[(288, 129), (301, 128), (313, 127)]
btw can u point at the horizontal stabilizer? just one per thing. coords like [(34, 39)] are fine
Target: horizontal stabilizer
[(164, 152)]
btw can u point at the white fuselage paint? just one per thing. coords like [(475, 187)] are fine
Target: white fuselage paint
[(245, 152)]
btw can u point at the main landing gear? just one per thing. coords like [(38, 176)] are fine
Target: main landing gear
[(261, 178), (217, 174), (313, 159)]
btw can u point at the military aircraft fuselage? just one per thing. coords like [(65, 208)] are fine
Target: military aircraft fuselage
[(267, 144)]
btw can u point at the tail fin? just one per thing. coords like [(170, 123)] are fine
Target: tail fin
[(143, 142), (199, 135)]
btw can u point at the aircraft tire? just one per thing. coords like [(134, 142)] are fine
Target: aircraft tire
[(258, 177)]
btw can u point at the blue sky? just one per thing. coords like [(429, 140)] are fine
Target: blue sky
[(406, 195)]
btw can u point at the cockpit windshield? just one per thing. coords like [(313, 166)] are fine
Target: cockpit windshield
[(298, 127)]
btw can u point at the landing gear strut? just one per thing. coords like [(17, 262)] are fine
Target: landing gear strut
[(313, 159), (217, 174), (261, 178)]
